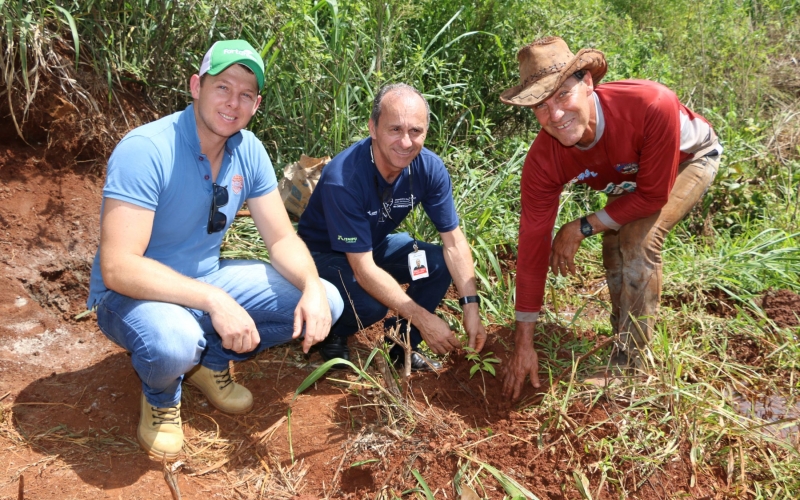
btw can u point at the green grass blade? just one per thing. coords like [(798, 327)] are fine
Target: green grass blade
[(424, 485), (510, 486), (319, 372), (444, 28), (74, 30)]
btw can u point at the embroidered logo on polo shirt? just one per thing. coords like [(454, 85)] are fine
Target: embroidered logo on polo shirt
[(347, 240), (237, 184), (402, 203)]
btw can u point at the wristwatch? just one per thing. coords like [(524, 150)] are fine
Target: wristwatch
[(469, 299), (586, 228)]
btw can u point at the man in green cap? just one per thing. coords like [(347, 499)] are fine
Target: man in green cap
[(158, 285)]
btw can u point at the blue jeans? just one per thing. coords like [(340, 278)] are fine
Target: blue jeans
[(391, 255), (167, 340)]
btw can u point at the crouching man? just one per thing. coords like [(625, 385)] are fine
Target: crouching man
[(363, 195), (160, 290)]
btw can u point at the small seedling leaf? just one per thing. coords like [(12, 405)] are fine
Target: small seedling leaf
[(473, 370)]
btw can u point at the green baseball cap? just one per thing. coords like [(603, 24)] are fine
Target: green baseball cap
[(226, 52)]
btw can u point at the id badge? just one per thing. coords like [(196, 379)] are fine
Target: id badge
[(418, 265)]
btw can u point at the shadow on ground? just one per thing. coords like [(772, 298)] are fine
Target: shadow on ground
[(88, 419)]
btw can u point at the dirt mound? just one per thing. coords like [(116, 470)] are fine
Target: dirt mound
[(782, 307), (73, 114)]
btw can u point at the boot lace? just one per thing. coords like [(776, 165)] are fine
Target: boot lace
[(224, 378), (169, 416)]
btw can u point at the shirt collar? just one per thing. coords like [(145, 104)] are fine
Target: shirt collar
[(601, 123), (187, 125)]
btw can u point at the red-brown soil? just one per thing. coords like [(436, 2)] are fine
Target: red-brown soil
[(782, 307), (69, 397)]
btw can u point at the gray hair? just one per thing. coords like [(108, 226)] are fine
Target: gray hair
[(398, 88)]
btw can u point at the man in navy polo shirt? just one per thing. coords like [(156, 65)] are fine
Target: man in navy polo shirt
[(364, 193), (158, 285)]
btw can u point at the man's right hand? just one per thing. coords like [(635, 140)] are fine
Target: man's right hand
[(523, 362), (234, 326), (437, 334)]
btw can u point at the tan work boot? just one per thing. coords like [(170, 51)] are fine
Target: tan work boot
[(220, 389), (160, 432)]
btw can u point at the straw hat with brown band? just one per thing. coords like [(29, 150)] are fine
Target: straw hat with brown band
[(545, 64)]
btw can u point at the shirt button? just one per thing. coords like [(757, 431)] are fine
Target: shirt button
[(206, 177), (200, 158)]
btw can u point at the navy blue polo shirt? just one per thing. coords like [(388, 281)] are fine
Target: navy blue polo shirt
[(159, 166), (353, 208)]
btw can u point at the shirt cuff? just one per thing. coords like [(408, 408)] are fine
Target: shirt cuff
[(526, 317), (607, 220)]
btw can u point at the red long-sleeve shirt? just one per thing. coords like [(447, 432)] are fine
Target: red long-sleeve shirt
[(643, 134)]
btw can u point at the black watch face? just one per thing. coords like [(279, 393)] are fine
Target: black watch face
[(586, 228)]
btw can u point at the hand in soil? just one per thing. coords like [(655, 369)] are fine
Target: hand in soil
[(523, 361), (436, 333)]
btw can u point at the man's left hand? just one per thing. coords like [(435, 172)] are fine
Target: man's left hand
[(314, 312), (474, 327), (565, 246)]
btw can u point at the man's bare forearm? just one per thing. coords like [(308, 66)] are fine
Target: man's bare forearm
[(146, 279), (291, 258), (523, 335), (458, 258), (124, 237)]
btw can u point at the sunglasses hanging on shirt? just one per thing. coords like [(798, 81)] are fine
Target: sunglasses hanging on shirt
[(216, 219)]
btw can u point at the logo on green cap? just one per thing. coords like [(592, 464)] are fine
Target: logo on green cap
[(226, 52)]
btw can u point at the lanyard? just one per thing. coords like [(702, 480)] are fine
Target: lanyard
[(381, 196)]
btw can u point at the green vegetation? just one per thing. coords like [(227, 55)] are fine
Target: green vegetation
[(730, 60)]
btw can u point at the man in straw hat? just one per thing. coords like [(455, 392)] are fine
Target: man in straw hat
[(158, 285), (632, 140)]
